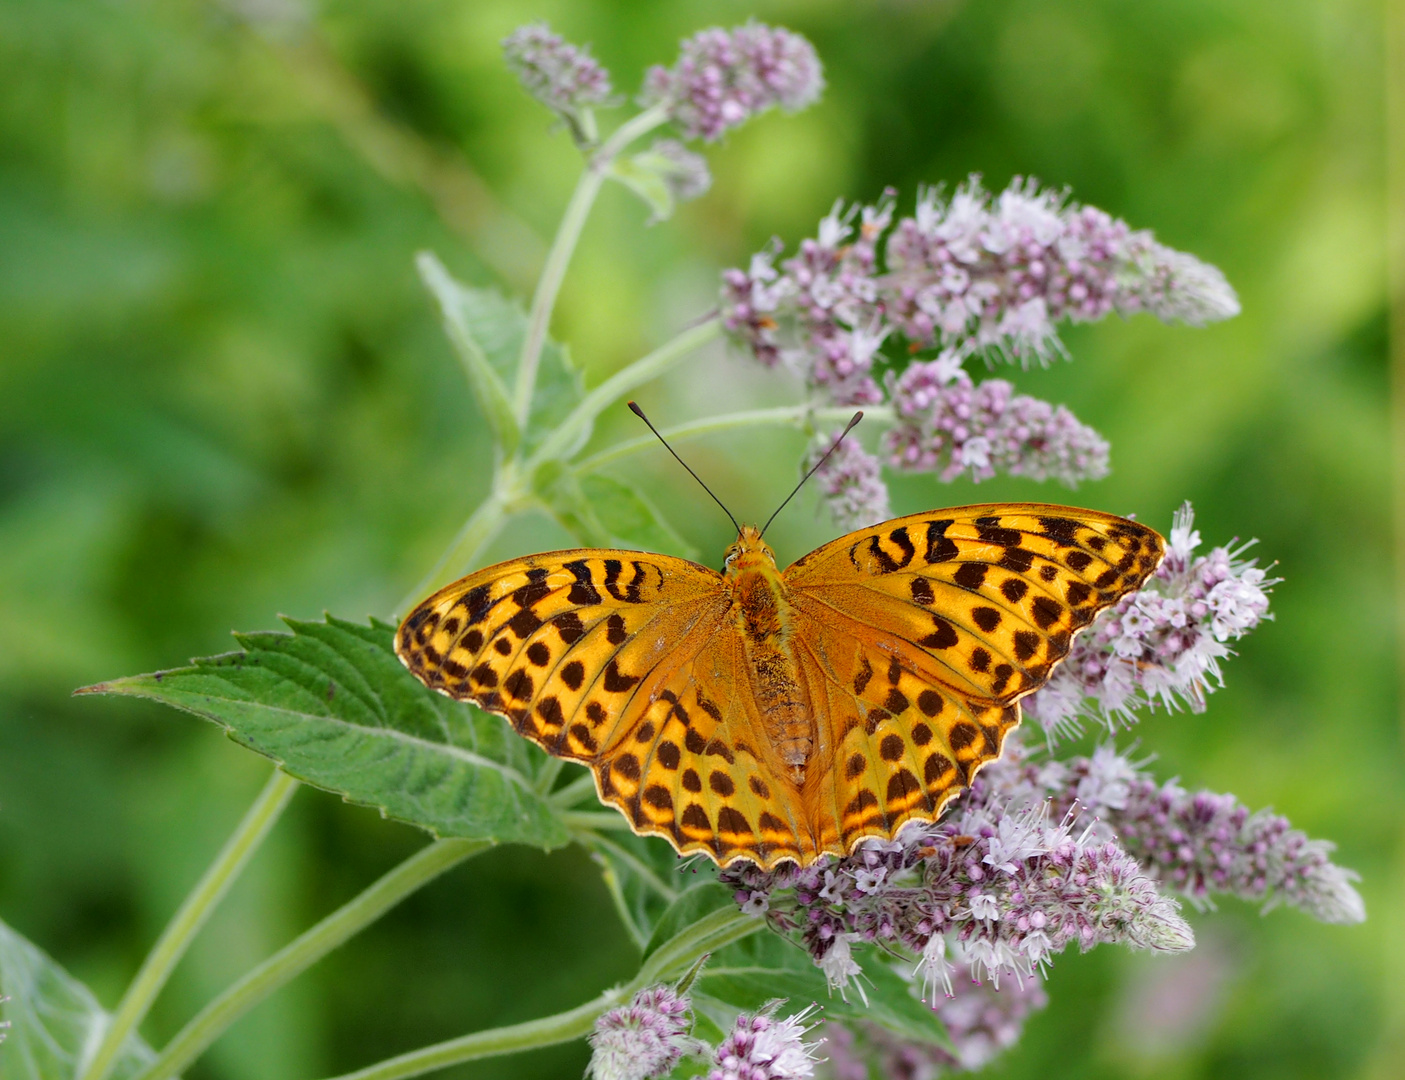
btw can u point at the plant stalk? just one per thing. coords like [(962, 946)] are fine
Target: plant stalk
[(795, 415), (186, 923), (564, 246), (280, 968), (708, 934), (620, 383), (463, 551)]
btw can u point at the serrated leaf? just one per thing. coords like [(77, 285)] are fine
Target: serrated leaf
[(760, 968), (491, 328), (54, 1018), (332, 705), (604, 512)]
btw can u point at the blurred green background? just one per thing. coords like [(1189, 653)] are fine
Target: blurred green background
[(224, 396)]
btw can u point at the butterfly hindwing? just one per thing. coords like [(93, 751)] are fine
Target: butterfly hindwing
[(696, 771), (896, 746)]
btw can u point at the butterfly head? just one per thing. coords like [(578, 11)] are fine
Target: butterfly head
[(749, 552)]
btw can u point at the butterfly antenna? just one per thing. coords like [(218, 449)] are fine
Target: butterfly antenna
[(637, 411), (850, 427)]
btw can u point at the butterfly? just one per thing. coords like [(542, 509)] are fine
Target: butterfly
[(767, 715)]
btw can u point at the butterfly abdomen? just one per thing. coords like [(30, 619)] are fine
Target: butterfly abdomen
[(764, 616)]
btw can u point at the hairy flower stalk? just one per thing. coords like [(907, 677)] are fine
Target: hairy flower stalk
[(1162, 645), (643, 1039), (1199, 843), (723, 78), (563, 77)]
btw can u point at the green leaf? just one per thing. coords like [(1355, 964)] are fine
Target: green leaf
[(53, 1018), (333, 706), (662, 179), (604, 512), (702, 899), (766, 966), (631, 519), (468, 323), (646, 182), (641, 874), (487, 330)]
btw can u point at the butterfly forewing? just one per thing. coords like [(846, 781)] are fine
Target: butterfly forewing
[(924, 632), (614, 658)]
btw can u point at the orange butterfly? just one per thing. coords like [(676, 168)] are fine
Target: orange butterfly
[(763, 714)]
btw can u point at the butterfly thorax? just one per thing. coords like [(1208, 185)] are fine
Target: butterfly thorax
[(762, 611)]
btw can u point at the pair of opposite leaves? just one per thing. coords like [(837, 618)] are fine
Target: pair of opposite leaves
[(769, 715)]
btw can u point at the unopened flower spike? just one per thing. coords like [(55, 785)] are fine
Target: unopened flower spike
[(563, 77)]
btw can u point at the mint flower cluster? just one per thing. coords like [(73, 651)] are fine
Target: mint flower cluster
[(722, 78), (1198, 843), (1038, 855), (563, 77), (981, 1020), (949, 425), (1002, 890), (650, 1036), (975, 274), (1161, 645)]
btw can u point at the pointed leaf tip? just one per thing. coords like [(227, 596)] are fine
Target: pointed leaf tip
[(333, 705)]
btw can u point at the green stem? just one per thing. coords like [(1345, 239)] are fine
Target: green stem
[(606, 820), (641, 868), (290, 961), (546, 779), (563, 247), (573, 792), (186, 923), (480, 528), (621, 383), (563, 1027), (787, 414), (672, 959)]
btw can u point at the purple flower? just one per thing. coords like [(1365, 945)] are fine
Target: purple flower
[(998, 890), (1199, 843), (563, 77), (949, 425), (1163, 644), (980, 1020), (724, 77), (645, 1038), (973, 273), (760, 1047), (852, 483)]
